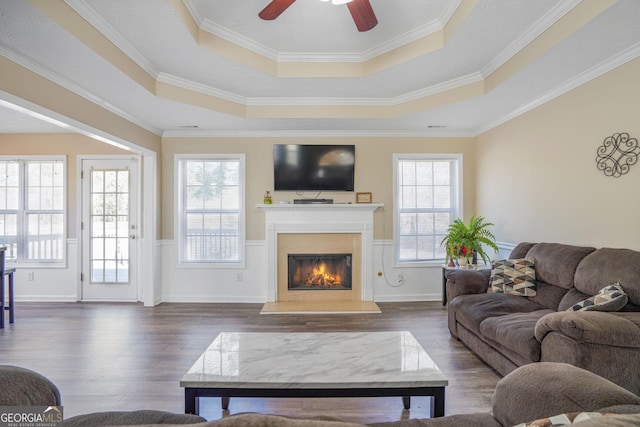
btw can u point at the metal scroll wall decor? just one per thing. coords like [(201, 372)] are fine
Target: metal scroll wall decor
[(617, 153)]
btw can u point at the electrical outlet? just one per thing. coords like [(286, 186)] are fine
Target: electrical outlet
[(30, 276), (239, 277)]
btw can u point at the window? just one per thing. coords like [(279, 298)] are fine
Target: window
[(211, 219), (32, 214), (427, 199)]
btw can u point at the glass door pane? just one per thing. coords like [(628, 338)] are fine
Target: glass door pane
[(110, 226)]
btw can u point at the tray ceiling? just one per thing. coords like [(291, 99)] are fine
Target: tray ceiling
[(213, 67)]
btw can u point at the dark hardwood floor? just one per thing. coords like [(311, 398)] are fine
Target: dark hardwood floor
[(108, 356)]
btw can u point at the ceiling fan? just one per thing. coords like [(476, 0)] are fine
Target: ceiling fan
[(361, 11)]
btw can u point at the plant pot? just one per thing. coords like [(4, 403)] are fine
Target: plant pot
[(462, 261)]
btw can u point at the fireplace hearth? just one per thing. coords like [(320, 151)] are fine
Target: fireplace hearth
[(319, 271)]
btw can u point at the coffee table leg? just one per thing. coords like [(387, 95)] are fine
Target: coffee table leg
[(406, 401), (190, 401), (225, 402), (438, 404)]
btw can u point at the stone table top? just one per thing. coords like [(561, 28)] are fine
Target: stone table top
[(314, 360)]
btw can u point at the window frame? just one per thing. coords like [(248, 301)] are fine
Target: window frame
[(22, 212), (180, 218), (457, 184)]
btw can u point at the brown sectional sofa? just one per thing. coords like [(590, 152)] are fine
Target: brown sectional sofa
[(508, 331)]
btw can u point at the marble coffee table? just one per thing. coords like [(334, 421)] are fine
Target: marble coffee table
[(322, 364)]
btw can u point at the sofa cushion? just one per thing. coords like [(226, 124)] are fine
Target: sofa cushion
[(550, 296), (271, 420), (608, 265), (556, 263), (125, 418), (609, 298), (471, 310), (572, 297), (516, 332), (521, 249), (514, 277)]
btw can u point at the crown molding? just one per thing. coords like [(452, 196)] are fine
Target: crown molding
[(404, 39), (73, 87), (542, 25), (429, 133), (238, 39), (200, 88), (594, 72), (91, 16), (193, 11), (438, 88), (13, 102), (222, 32), (262, 49), (320, 101)]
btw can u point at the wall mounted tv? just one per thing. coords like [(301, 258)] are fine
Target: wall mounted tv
[(298, 167)]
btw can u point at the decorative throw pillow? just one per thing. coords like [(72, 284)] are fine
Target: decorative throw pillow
[(514, 277), (609, 298), (563, 419)]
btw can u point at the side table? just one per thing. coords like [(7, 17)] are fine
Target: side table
[(9, 273), (468, 267)]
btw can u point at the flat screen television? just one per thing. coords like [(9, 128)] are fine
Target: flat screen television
[(299, 167)]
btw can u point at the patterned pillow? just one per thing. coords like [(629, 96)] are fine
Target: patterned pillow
[(609, 298), (514, 277)]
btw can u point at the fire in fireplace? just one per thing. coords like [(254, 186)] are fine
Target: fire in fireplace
[(319, 271)]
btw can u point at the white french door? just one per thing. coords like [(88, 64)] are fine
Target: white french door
[(109, 229)]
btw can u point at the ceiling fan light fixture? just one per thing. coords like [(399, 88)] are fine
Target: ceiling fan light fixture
[(339, 1)]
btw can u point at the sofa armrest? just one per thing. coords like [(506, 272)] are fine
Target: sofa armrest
[(546, 389), (465, 282), (593, 327), (24, 387)]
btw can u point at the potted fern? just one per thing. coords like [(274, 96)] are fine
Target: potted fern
[(468, 240)]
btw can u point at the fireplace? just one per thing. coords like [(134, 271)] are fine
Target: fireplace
[(319, 267), (311, 229), (319, 271)]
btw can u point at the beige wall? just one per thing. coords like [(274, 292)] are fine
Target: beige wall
[(374, 169), (69, 144), (537, 177)]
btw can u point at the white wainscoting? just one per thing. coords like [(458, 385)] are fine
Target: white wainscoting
[(59, 284), (243, 285), (201, 284), (419, 283)]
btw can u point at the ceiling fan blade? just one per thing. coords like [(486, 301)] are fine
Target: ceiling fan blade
[(274, 9), (363, 14)]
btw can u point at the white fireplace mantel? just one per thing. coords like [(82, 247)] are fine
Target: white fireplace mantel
[(319, 218)]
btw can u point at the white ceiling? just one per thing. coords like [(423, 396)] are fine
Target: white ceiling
[(151, 33)]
